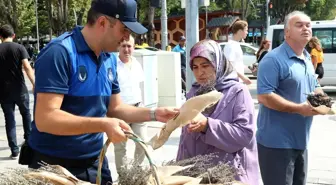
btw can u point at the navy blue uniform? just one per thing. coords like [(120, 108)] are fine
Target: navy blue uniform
[(68, 66)]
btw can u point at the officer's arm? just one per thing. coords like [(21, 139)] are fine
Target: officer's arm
[(51, 119), (128, 113), (52, 74)]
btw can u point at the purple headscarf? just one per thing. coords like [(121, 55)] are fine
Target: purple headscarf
[(211, 50)]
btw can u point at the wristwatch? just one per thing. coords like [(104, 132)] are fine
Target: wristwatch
[(152, 114)]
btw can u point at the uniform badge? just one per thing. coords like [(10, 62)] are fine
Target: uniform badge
[(82, 73), (110, 74)]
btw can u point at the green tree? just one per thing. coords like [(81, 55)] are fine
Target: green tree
[(26, 17), (321, 9), (78, 12), (9, 13), (19, 14), (283, 7)]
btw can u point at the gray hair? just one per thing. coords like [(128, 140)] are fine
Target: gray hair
[(291, 15)]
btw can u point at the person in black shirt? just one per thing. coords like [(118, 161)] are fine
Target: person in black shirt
[(263, 50), (13, 90)]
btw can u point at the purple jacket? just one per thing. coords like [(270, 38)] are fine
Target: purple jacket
[(231, 133)]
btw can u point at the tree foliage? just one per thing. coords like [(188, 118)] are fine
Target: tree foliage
[(57, 16), (283, 7), (321, 9)]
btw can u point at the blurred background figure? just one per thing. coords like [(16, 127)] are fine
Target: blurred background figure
[(263, 50), (181, 48), (168, 48), (130, 75), (13, 89), (317, 57)]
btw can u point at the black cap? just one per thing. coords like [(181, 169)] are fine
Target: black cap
[(124, 10)]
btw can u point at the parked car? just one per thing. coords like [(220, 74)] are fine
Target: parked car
[(249, 57)]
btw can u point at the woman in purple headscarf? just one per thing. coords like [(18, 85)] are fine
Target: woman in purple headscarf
[(228, 128)]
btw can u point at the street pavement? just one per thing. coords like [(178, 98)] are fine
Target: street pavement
[(322, 148)]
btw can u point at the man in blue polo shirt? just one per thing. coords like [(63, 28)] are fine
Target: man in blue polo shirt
[(76, 88), (285, 77)]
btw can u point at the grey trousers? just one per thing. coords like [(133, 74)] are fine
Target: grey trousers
[(140, 129), (283, 166)]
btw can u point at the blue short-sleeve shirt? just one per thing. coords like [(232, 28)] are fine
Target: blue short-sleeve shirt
[(282, 72), (68, 66)]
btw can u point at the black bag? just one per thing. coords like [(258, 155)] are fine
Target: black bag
[(26, 154)]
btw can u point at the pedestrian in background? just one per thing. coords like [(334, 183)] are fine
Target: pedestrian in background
[(130, 77), (317, 57), (13, 89), (181, 48), (263, 50), (234, 53)]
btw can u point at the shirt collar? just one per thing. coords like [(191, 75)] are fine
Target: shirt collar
[(80, 42), (290, 52)]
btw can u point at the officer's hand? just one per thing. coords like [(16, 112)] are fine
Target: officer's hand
[(114, 127)]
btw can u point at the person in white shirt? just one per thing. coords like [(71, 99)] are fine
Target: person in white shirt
[(234, 53), (130, 76)]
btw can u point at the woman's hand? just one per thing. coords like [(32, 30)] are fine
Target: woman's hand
[(198, 124)]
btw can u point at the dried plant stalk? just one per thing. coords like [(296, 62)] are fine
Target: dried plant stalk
[(197, 167), (45, 175), (222, 173), (15, 177), (135, 174)]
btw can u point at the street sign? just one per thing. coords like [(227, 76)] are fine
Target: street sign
[(203, 2)]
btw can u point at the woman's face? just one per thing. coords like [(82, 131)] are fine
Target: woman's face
[(310, 45), (267, 45), (203, 70)]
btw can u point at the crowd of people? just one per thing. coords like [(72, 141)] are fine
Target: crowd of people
[(82, 90)]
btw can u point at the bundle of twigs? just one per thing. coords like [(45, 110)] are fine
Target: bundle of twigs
[(196, 170), (199, 167), (46, 175)]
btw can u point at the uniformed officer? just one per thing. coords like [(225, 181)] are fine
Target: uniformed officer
[(77, 87)]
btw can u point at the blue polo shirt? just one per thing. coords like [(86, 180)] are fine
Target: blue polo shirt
[(285, 74), (68, 66)]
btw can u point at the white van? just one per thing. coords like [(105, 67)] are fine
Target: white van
[(326, 32)]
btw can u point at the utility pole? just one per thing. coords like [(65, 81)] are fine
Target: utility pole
[(206, 22), (75, 14), (268, 18), (37, 29), (164, 29), (192, 35)]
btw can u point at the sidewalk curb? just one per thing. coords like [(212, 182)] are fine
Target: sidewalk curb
[(324, 181)]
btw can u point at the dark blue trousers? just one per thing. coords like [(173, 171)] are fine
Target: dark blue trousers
[(283, 166), (8, 108)]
